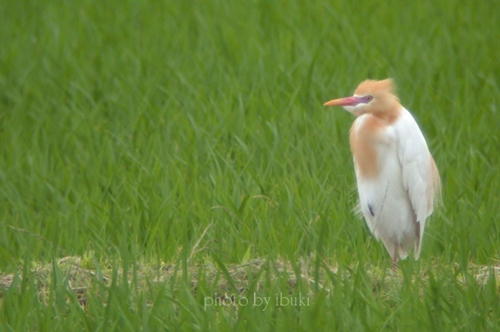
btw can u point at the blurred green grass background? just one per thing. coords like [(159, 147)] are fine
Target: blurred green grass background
[(130, 128)]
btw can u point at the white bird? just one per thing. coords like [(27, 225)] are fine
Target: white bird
[(397, 179)]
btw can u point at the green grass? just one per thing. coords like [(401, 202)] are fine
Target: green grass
[(161, 148)]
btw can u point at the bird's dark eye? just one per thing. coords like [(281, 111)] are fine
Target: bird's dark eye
[(369, 98)]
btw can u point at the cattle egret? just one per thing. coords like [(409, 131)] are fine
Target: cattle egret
[(397, 178)]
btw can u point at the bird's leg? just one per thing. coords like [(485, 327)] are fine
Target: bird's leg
[(395, 261)]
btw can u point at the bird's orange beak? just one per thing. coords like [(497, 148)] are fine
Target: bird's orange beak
[(347, 101)]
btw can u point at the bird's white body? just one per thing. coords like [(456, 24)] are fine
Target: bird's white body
[(395, 203), (397, 179)]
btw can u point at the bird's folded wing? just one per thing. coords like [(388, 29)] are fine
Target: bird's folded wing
[(418, 168)]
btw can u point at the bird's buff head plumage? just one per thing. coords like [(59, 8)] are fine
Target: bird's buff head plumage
[(371, 96)]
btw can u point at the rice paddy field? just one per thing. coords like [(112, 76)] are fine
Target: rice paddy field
[(169, 166)]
